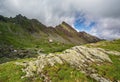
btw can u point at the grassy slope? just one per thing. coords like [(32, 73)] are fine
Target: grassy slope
[(109, 45), (65, 73), (13, 34), (111, 71), (9, 72), (21, 32)]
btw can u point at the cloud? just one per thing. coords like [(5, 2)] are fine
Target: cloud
[(84, 23), (53, 12), (107, 28)]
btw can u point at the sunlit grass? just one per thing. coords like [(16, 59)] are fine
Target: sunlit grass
[(109, 45), (110, 71), (65, 73)]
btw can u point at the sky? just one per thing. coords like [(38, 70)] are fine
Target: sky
[(97, 17)]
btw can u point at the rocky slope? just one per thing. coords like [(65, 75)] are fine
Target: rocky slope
[(22, 27), (26, 35), (79, 57)]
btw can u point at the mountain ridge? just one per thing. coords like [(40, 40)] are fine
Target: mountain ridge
[(64, 31), (37, 53)]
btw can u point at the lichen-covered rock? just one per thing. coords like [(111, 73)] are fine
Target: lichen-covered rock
[(99, 78), (80, 57)]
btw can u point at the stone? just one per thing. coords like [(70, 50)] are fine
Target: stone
[(50, 40), (99, 78), (80, 57)]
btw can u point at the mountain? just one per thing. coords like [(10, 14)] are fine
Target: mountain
[(88, 38), (63, 33), (33, 52), (23, 33)]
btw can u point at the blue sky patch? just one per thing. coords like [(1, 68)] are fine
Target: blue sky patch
[(80, 24)]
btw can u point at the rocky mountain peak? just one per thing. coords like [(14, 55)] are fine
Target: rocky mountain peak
[(64, 23), (68, 27), (20, 16)]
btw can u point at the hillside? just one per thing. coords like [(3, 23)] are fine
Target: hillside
[(21, 37), (22, 30), (86, 63), (33, 52)]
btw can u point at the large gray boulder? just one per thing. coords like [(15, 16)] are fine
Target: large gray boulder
[(80, 57)]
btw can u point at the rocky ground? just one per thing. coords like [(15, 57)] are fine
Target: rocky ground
[(8, 53), (80, 57)]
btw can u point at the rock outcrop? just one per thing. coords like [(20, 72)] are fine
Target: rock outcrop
[(80, 57)]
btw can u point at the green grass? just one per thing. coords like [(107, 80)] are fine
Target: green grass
[(111, 71), (10, 72), (112, 45), (53, 47), (65, 73), (17, 36), (109, 45), (14, 35)]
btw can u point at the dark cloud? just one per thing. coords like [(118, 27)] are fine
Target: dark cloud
[(53, 12)]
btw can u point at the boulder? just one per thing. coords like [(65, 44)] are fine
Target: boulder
[(80, 57)]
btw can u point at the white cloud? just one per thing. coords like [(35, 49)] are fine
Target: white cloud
[(107, 28)]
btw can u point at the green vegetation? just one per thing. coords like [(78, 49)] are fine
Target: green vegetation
[(109, 45), (5, 59), (65, 73), (111, 71), (53, 47), (21, 33), (8, 75), (13, 34), (10, 72), (16, 35)]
